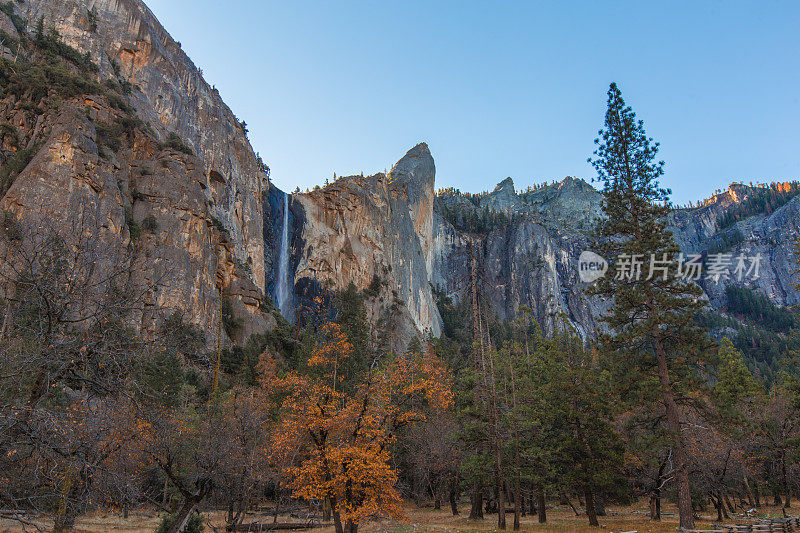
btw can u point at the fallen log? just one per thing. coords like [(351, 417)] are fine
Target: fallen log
[(258, 527)]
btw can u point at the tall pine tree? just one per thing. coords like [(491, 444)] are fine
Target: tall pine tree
[(651, 319)]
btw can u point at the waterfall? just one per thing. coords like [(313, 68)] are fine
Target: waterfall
[(282, 290)]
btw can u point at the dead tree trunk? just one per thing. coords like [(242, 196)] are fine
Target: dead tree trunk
[(655, 495)]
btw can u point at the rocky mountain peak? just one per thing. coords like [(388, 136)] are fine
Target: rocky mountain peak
[(503, 198), (416, 171), (506, 186)]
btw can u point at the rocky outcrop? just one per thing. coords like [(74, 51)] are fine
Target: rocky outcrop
[(532, 260), (528, 261), (76, 190), (207, 206), (770, 237), (376, 230)]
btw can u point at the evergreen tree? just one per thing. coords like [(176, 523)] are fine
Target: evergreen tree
[(735, 387), (588, 451), (652, 318), (351, 314)]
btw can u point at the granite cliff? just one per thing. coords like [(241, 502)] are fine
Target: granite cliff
[(376, 230), (529, 257), (126, 143), (125, 129)]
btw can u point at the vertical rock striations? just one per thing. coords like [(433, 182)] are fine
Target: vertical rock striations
[(377, 231), (207, 205)]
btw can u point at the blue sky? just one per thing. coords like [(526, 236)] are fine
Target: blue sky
[(502, 88)]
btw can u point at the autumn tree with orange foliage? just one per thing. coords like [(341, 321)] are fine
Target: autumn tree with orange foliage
[(344, 438)]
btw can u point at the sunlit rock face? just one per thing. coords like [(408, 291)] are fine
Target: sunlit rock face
[(208, 206), (376, 230), (769, 236)]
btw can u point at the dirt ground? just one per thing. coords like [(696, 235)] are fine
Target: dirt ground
[(561, 519)]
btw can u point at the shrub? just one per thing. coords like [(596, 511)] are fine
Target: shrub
[(115, 67), (92, 16), (133, 226), (18, 22), (374, 286), (176, 143), (218, 225), (118, 103), (243, 266), (758, 309), (50, 43), (760, 200), (229, 321), (8, 131), (150, 224), (35, 82), (195, 524), (726, 241), (129, 124), (7, 40), (15, 164), (109, 134)]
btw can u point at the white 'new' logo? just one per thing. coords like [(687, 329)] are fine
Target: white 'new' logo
[(591, 266)]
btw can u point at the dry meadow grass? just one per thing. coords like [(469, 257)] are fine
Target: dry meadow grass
[(560, 519)]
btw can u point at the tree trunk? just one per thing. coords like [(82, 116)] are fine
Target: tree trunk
[(728, 502), (541, 507), (590, 510), (326, 510), (189, 506), (685, 510), (501, 497), (599, 504), (6, 320), (565, 498), (786, 489), (721, 497), (453, 500), (655, 496), (164, 494), (499, 480), (655, 506), (718, 507), (337, 521), (277, 507), (65, 518), (751, 501), (476, 511)]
